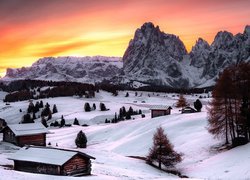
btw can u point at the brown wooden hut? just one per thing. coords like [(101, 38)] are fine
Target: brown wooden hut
[(54, 161), (160, 111), (25, 134)]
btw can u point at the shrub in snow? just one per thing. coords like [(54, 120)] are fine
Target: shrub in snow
[(54, 109), (103, 107), (198, 105), (127, 94), (81, 140), (87, 107), (142, 115), (76, 122), (162, 151)]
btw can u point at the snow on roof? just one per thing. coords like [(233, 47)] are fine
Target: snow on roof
[(45, 155), (28, 129), (159, 107)]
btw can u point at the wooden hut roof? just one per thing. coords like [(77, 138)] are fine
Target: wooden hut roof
[(159, 107), (46, 155), (28, 129)]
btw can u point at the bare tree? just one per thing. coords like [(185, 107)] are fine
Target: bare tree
[(181, 101)]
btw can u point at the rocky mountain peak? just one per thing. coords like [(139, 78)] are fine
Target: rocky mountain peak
[(200, 44), (247, 30), (223, 40)]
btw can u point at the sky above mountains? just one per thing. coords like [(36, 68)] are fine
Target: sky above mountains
[(30, 29)]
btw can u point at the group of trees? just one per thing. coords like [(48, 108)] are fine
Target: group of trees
[(31, 89), (88, 108), (229, 112), (33, 109), (124, 115)]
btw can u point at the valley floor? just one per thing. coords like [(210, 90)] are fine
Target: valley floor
[(111, 144)]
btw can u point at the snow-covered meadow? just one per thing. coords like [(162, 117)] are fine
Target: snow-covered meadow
[(112, 144)]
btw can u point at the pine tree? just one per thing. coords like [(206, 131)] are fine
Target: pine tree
[(62, 123), (30, 108), (46, 111), (94, 107), (37, 106), (41, 104), (76, 122), (162, 151), (181, 102), (81, 140), (87, 107), (54, 109), (115, 119), (130, 110), (198, 105)]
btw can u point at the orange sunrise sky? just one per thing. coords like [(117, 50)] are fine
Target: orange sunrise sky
[(30, 29)]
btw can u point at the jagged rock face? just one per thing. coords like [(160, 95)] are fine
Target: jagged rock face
[(199, 53), (153, 56), (225, 50), (81, 69)]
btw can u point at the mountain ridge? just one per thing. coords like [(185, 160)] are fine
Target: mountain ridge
[(152, 57)]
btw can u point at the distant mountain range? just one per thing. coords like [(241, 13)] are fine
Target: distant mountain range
[(152, 58)]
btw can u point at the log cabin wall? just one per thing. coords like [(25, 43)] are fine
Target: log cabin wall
[(76, 165), (34, 167), (156, 113), (38, 140)]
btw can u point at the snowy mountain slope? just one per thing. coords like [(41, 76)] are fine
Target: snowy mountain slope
[(112, 143), (80, 69)]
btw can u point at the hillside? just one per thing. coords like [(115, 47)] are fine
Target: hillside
[(111, 144)]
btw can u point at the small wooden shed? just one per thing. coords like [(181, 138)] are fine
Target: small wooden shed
[(25, 134), (188, 109), (160, 111), (53, 161)]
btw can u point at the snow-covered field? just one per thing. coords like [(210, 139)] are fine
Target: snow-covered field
[(111, 144)]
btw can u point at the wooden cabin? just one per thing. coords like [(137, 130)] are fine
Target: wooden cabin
[(188, 109), (25, 134), (157, 111), (53, 161)]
